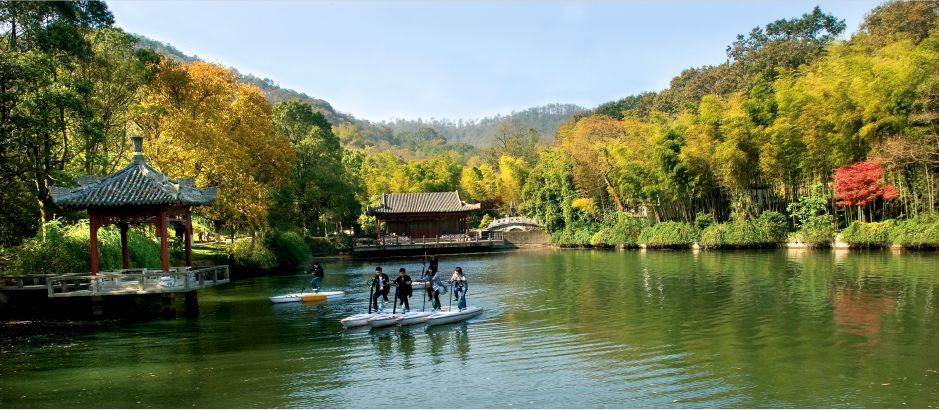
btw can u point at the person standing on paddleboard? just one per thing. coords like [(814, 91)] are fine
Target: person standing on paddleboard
[(318, 274), (403, 282), (428, 289), (438, 288), (380, 284), (433, 264), (459, 287)]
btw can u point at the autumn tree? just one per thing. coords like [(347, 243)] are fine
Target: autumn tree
[(199, 121), (861, 184)]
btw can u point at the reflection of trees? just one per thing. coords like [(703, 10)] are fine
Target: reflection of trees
[(769, 322), (861, 314)]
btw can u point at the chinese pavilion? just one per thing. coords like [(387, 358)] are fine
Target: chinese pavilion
[(137, 194)]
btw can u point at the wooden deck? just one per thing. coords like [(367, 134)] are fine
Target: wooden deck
[(402, 246), (137, 282)]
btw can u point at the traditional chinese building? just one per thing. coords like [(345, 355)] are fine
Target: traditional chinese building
[(137, 194), (422, 214)]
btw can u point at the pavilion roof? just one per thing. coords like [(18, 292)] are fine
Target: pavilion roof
[(421, 202), (136, 184)]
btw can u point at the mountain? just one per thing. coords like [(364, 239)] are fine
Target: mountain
[(460, 135)]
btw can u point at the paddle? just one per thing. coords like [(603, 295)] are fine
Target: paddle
[(424, 289), (394, 309), (371, 289), (450, 307)]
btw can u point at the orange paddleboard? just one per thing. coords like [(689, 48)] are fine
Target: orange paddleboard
[(312, 297)]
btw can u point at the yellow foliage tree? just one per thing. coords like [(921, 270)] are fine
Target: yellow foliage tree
[(199, 121)]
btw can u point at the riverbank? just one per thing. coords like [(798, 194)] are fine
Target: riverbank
[(768, 231)]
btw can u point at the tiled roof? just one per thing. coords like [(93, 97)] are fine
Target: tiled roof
[(421, 202), (136, 184)]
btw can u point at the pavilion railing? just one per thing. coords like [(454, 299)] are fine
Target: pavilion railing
[(137, 281)]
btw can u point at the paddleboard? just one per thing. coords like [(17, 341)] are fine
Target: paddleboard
[(360, 319), (382, 320), (413, 318), (453, 315), (307, 297)]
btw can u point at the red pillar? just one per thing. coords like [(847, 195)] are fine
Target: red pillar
[(93, 242), (188, 238), (164, 242), (125, 255), (377, 227)]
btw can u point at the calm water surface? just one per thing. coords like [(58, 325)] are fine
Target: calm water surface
[(560, 329)]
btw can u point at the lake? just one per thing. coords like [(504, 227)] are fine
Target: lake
[(561, 328)]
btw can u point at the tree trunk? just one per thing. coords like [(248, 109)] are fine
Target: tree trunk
[(613, 193)]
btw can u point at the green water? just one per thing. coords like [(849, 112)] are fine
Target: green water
[(560, 329)]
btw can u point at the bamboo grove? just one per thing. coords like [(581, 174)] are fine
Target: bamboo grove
[(775, 125)]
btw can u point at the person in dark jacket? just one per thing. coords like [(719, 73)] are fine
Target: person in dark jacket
[(318, 274), (433, 264), (428, 275), (403, 282), (381, 285)]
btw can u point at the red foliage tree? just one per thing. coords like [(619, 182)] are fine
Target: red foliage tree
[(861, 183)]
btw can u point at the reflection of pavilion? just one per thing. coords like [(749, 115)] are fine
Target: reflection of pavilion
[(861, 313)]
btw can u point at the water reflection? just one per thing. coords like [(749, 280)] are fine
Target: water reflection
[(568, 328)]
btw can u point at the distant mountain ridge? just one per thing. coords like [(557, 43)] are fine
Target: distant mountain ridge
[(544, 119)]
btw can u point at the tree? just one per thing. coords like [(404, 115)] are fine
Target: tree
[(199, 121), (782, 45), (513, 138), (513, 173), (480, 183), (860, 184), (319, 187), (897, 20), (550, 189)]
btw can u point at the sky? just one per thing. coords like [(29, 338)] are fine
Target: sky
[(380, 60)]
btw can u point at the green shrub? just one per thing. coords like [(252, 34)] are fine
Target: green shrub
[(288, 247), (814, 235), (868, 235), (341, 242), (767, 231), (577, 235), (331, 245), (702, 221), (775, 226), (251, 254), (65, 250), (669, 235), (714, 236), (620, 229), (918, 233)]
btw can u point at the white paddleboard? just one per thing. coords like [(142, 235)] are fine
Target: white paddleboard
[(413, 318), (307, 297), (382, 320), (360, 319), (453, 315)]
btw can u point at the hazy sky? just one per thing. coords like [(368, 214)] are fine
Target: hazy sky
[(461, 59)]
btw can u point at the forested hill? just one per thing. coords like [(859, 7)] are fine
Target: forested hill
[(273, 92), (544, 119), (419, 136)]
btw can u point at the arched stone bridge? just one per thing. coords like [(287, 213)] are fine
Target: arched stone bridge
[(513, 223)]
